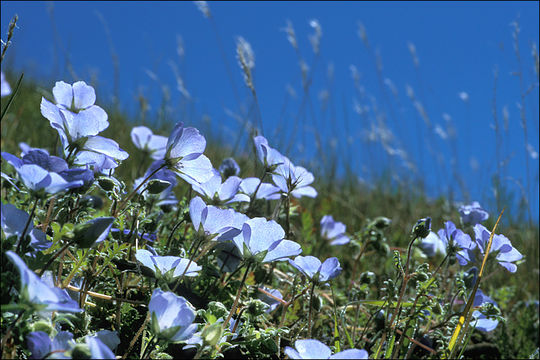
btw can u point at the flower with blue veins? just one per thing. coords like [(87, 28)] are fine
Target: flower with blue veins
[(219, 193), (145, 140), (268, 156), (472, 214), (263, 240), (314, 349), (171, 316), (162, 265), (506, 253), (264, 190), (229, 167), (334, 231), (294, 180), (78, 122), (316, 271), (457, 242), (36, 291), (40, 172), (216, 224), (77, 100), (184, 155)]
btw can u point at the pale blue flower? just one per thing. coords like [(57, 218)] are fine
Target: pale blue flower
[(262, 240), (268, 156), (38, 292), (312, 268), (295, 180), (221, 193), (145, 140), (433, 245), (217, 224), (482, 322), (334, 231), (40, 345), (506, 253), (171, 316), (314, 349), (163, 264), (264, 191), (184, 155), (473, 214)]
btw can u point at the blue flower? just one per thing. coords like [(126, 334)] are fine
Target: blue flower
[(163, 264), (295, 180), (13, 223), (221, 193), (314, 349), (433, 245), (81, 118), (482, 322), (38, 292), (334, 231), (268, 156), (109, 338), (40, 345), (311, 267), (507, 254), (472, 214), (217, 224), (145, 140), (265, 191), (457, 241), (229, 167), (184, 155), (98, 349), (172, 316), (41, 173), (78, 121), (262, 241)]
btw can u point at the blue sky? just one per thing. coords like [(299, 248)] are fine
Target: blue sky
[(459, 44)]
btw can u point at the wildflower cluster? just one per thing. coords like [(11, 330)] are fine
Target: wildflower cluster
[(222, 268)]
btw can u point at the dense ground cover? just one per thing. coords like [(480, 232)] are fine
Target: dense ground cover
[(387, 285), (136, 237)]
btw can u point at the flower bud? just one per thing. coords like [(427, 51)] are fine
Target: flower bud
[(106, 183), (422, 227), (81, 351), (155, 186), (212, 334)]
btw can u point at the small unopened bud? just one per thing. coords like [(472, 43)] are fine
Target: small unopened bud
[(212, 334), (81, 351), (422, 227), (106, 183), (155, 186)]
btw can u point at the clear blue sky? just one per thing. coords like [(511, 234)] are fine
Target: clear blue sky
[(458, 44)]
